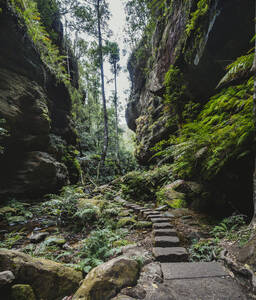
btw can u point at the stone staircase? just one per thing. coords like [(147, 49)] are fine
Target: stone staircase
[(166, 242), (184, 280)]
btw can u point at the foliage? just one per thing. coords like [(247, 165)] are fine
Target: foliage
[(229, 226), (204, 250), (142, 186), (240, 67), (98, 247), (20, 212), (202, 9), (64, 206), (176, 91), (11, 239), (27, 11), (223, 131)]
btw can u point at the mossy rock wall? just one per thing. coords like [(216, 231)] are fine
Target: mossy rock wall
[(200, 43), (35, 111)]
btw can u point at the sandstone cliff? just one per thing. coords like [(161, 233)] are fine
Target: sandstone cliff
[(39, 140), (175, 78)]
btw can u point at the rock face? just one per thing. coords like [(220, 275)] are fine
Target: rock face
[(193, 46), (49, 280), (201, 55), (35, 108), (104, 281)]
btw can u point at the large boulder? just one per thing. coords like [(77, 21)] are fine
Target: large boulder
[(39, 173), (106, 280), (49, 280)]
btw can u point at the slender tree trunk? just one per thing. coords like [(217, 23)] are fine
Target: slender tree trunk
[(66, 45), (105, 146), (253, 222), (116, 114)]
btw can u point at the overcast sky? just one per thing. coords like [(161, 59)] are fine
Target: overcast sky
[(117, 25)]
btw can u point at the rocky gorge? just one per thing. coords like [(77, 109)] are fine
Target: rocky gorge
[(176, 227)]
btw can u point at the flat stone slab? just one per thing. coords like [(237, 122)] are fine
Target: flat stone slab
[(166, 241), (153, 216), (161, 208), (162, 225), (199, 289), (192, 270), (168, 215), (165, 232), (159, 220), (170, 254), (150, 212)]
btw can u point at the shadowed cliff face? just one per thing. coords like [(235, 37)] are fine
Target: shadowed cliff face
[(201, 55), (36, 110)]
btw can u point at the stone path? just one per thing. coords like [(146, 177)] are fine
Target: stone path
[(183, 280)]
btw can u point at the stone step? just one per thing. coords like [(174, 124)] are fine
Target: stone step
[(162, 225), (192, 270), (159, 220), (168, 215), (165, 232), (150, 212), (154, 216), (170, 254), (161, 208), (166, 241)]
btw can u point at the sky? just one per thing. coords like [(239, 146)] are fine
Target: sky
[(117, 25)]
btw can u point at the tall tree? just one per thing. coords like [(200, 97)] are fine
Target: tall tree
[(99, 10), (114, 57)]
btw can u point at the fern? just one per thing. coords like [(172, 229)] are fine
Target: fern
[(238, 68), (27, 11)]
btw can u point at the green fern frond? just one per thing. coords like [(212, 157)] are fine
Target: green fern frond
[(238, 68)]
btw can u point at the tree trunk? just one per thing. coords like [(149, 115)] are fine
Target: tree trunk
[(105, 146), (116, 114), (253, 222)]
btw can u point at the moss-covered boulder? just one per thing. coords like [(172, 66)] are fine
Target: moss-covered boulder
[(143, 224), (97, 202), (179, 194), (127, 221), (125, 213), (142, 186), (104, 281), (168, 195), (22, 292), (55, 240), (49, 280)]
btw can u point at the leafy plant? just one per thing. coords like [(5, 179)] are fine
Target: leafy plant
[(64, 206), (229, 226), (11, 239), (50, 55), (204, 250), (98, 247)]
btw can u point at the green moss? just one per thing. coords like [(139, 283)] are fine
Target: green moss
[(142, 186), (167, 195), (202, 9), (22, 292), (72, 163), (121, 243), (49, 53), (127, 221), (222, 132), (176, 203), (143, 224)]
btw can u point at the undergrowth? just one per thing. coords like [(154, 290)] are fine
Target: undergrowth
[(223, 131)]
